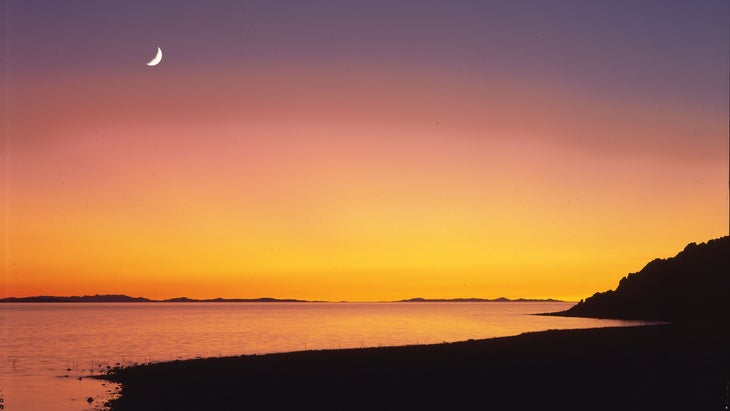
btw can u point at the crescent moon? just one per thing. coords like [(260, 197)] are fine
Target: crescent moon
[(156, 60)]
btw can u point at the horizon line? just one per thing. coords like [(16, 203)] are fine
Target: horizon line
[(127, 298)]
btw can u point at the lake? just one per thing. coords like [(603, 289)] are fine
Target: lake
[(47, 348)]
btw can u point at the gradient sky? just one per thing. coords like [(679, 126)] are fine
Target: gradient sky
[(358, 150)]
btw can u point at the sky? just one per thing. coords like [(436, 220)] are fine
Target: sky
[(358, 150)]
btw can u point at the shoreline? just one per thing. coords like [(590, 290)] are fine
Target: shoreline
[(666, 366)]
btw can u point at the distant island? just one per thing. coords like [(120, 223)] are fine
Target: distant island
[(120, 298), (235, 300), (109, 298), (692, 286), (117, 298)]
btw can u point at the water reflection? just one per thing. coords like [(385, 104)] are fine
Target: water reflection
[(48, 349)]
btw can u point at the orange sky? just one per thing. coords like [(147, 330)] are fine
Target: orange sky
[(384, 181)]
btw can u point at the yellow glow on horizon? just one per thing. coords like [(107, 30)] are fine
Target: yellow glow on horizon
[(306, 198)]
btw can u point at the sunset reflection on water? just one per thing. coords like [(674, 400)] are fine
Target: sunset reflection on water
[(47, 347)]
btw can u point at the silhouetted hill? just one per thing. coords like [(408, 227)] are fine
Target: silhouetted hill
[(692, 286)]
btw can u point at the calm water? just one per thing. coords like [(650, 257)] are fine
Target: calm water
[(45, 348)]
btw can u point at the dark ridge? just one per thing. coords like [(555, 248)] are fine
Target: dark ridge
[(475, 300), (109, 298), (692, 286)]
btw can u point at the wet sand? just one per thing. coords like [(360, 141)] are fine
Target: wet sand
[(658, 367)]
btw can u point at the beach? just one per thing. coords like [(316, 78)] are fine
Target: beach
[(657, 367)]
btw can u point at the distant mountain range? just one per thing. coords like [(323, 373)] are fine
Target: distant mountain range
[(234, 300), (77, 299), (692, 286), (116, 298)]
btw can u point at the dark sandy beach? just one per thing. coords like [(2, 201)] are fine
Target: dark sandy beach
[(659, 367)]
